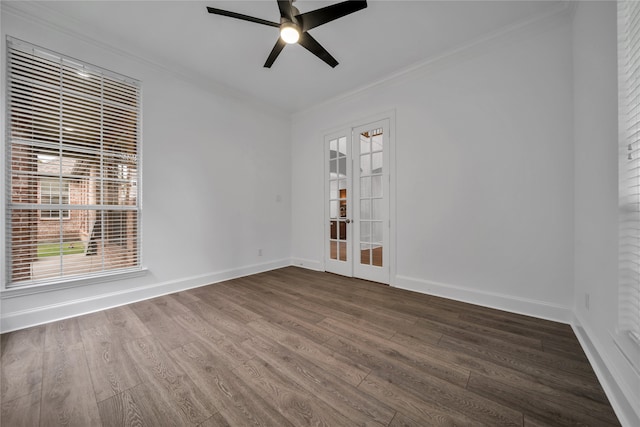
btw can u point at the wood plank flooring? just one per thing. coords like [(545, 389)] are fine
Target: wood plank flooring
[(293, 347)]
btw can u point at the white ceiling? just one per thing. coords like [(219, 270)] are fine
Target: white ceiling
[(370, 45)]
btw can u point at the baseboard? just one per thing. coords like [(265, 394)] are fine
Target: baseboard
[(608, 374), (49, 313), (307, 263), (529, 307)]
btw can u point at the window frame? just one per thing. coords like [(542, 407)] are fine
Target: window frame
[(106, 273), (627, 333)]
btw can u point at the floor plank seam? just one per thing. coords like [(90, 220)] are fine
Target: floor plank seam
[(364, 378), (86, 361), (392, 418)]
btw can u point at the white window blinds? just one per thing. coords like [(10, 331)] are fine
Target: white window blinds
[(73, 164), (629, 129)]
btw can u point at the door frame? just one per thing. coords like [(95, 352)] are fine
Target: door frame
[(350, 126)]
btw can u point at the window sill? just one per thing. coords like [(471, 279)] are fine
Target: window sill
[(52, 286)]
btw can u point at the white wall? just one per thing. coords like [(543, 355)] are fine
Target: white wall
[(493, 205), (596, 203), (214, 167), (484, 161)]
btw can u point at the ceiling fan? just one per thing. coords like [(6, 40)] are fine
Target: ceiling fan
[(294, 26)]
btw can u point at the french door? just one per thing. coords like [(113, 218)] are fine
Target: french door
[(357, 202)]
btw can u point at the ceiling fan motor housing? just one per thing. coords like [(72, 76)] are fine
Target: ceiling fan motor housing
[(292, 19)]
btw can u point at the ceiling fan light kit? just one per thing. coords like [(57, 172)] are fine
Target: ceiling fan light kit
[(294, 26), (289, 32)]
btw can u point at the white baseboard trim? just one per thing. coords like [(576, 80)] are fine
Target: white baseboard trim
[(50, 313), (528, 307), (307, 263), (614, 386)]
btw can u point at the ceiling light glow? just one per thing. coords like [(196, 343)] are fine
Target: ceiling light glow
[(289, 33)]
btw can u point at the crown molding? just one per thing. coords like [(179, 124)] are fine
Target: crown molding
[(563, 10), (42, 15)]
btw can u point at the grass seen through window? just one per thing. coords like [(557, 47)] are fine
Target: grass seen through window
[(54, 249)]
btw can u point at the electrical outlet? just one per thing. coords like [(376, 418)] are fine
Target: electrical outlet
[(587, 297), (259, 252)]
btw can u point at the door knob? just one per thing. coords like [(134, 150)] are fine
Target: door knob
[(348, 221)]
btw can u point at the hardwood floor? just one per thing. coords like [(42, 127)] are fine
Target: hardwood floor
[(294, 347)]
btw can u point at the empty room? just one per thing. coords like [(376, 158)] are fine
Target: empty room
[(320, 212)]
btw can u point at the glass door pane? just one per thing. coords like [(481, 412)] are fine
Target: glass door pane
[(338, 252), (371, 203), (338, 198), (371, 196)]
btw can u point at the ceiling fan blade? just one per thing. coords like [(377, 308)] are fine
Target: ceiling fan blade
[(241, 16), (321, 16), (314, 47), (285, 9), (274, 53)]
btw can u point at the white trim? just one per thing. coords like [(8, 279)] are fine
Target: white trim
[(50, 313), (620, 395), (309, 264), (49, 285), (393, 194), (623, 340), (525, 306)]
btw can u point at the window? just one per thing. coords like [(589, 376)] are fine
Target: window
[(51, 193), (629, 148), (73, 153)]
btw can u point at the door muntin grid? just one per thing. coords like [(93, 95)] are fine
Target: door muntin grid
[(371, 197), (338, 199)]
